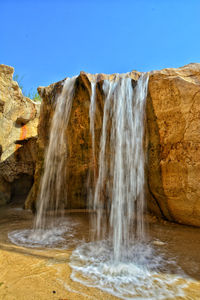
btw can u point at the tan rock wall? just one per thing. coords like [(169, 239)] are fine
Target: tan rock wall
[(18, 123), (173, 112)]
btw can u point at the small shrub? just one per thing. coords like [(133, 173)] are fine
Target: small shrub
[(31, 94)]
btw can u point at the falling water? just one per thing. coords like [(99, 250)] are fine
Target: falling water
[(49, 227), (92, 112), (91, 175), (54, 177), (121, 162)]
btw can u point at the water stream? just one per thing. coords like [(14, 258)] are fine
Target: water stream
[(121, 163), (51, 194)]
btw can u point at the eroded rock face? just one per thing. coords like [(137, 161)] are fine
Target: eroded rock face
[(18, 123), (173, 126), (173, 111)]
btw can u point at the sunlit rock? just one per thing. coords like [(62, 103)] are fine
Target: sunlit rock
[(18, 123), (174, 143)]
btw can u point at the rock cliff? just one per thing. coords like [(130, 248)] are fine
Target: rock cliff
[(18, 123), (173, 112), (173, 128)]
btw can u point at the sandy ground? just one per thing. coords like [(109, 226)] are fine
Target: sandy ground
[(34, 274)]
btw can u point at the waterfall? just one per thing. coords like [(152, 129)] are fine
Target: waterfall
[(121, 162), (51, 194), (122, 261), (91, 174), (92, 114)]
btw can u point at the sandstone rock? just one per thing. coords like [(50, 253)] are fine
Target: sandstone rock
[(18, 123), (173, 112)]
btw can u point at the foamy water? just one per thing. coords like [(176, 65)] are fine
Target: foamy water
[(61, 235), (143, 274)]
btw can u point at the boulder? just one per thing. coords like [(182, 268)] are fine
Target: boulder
[(173, 114)]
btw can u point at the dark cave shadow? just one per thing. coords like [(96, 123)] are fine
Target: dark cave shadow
[(22, 159)]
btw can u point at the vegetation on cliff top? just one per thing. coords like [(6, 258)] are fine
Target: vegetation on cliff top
[(30, 94)]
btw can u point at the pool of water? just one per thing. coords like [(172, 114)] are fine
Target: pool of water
[(167, 266)]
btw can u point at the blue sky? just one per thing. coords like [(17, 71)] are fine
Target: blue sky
[(46, 40)]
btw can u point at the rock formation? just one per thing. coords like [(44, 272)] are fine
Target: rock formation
[(173, 126), (173, 112), (18, 123)]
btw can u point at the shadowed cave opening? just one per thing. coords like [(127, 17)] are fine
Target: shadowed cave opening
[(20, 188)]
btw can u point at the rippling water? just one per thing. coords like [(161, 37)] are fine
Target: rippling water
[(143, 274), (154, 270), (61, 235)]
